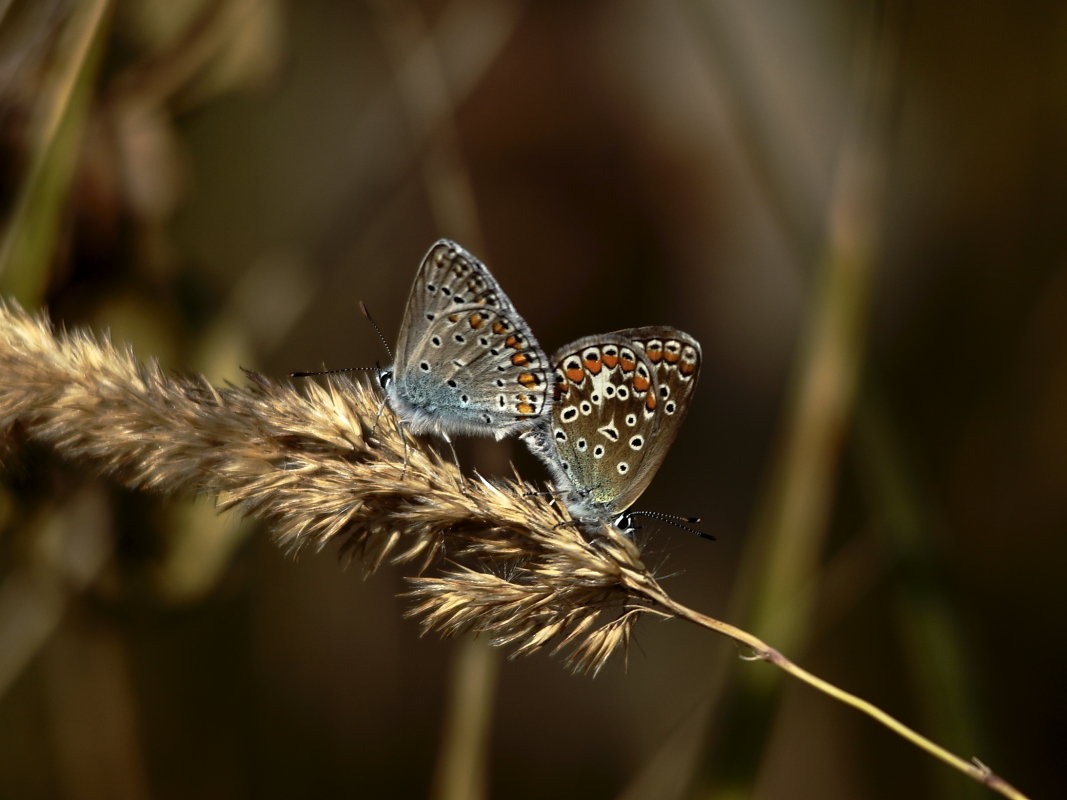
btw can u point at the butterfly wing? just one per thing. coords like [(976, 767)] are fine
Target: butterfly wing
[(602, 405), (466, 361), (448, 276), (675, 357), (618, 402)]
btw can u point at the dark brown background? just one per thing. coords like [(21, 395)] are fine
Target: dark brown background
[(246, 174)]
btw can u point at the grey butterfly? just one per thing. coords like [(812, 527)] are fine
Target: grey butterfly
[(618, 402), (466, 362)]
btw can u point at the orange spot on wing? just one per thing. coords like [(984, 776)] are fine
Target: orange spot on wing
[(594, 365), (519, 359), (650, 402), (512, 342), (687, 368), (640, 384), (577, 374), (610, 361), (671, 356), (476, 321), (453, 317), (627, 364), (527, 379), (498, 327), (525, 408), (654, 354)]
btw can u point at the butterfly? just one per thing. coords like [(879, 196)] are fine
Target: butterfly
[(466, 362), (617, 405)]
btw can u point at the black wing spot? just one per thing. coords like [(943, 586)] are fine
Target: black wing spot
[(424, 366)]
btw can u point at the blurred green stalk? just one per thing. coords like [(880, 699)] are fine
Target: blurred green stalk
[(776, 591), (31, 233)]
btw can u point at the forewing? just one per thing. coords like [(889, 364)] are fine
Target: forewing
[(675, 357), (448, 277), (603, 409), (490, 367)]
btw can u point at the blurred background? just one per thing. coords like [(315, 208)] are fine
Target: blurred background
[(857, 208)]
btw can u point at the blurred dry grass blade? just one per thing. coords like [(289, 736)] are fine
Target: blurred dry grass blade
[(329, 464)]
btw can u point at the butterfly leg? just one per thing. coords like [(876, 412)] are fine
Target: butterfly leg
[(455, 460)]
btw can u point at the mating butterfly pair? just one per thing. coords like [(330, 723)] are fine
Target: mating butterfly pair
[(601, 415)]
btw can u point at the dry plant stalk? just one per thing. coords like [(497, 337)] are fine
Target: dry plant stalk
[(332, 464)]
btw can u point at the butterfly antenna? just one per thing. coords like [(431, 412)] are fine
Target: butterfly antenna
[(377, 367), (677, 520), (370, 319), (329, 371)]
